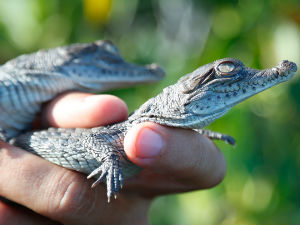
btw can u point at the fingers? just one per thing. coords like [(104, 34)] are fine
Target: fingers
[(60, 194), (47, 189), (84, 110), (178, 160), (182, 156)]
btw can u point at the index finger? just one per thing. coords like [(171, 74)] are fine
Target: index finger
[(76, 109)]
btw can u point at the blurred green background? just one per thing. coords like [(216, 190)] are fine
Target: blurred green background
[(262, 184)]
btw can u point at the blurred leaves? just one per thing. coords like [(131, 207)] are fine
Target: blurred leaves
[(222, 18), (262, 183)]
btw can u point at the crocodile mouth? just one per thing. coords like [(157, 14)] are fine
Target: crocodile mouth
[(284, 70), (273, 76)]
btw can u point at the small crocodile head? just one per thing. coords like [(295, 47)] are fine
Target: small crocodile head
[(100, 64), (210, 91), (92, 67)]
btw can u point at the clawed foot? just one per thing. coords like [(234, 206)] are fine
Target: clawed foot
[(111, 170), (228, 139), (217, 136)]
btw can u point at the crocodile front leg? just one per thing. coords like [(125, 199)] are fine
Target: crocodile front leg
[(106, 146)]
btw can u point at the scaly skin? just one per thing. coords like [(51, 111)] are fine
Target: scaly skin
[(195, 101), (30, 80)]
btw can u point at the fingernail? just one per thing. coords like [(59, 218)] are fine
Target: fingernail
[(149, 144)]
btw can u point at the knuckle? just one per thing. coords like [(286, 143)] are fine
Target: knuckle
[(72, 196)]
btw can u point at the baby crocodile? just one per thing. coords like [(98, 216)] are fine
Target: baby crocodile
[(30, 80), (196, 100)]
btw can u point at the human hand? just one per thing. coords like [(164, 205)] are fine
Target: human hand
[(54, 195)]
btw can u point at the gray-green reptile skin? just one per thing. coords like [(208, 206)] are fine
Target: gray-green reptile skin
[(196, 100), (30, 80)]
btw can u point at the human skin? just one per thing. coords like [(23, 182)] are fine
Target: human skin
[(50, 194)]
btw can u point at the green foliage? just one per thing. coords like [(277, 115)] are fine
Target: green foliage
[(262, 183)]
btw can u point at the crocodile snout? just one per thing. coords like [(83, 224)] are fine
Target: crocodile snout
[(286, 67)]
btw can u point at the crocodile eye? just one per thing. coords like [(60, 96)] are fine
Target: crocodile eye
[(226, 68)]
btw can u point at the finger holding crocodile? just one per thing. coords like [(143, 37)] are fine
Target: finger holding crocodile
[(76, 109), (178, 159)]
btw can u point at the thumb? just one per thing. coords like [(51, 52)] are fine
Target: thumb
[(176, 152)]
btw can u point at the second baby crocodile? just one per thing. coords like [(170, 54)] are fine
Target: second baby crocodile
[(28, 81)]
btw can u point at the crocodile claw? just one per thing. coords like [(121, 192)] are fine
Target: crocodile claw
[(111, 170)]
